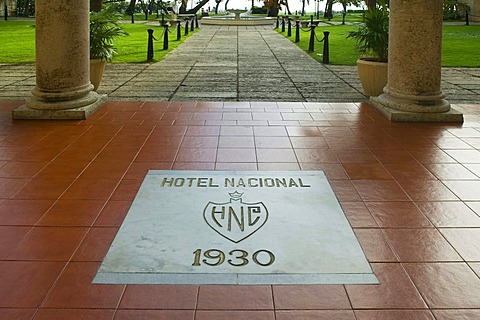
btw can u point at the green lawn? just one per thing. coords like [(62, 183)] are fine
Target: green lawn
[(134, 47), (18, 42), (461, 44)]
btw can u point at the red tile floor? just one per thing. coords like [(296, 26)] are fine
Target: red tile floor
[(411, 192)]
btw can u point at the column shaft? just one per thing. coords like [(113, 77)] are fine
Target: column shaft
[(415, 60), (475, 10), (62, 62), (415, 55)]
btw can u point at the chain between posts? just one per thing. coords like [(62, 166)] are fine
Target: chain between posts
[(313, 37), (164, 36)]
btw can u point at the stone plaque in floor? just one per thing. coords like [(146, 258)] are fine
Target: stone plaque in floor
[(235, 227)]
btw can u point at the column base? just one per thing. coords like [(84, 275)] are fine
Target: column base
[(81, 113), (395, 115)]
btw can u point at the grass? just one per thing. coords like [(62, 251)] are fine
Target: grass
[(461, 44), (342, 50), (18, 41), (460, 48), (132, 49)]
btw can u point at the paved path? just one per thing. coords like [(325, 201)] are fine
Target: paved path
[(236, 64)]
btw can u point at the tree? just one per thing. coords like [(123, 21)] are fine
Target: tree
[(96, 5), (217, 2), (131, 7), (454, 9), (285, 3), (273, 7), (328, 13), (25, 8), (345, 3), (371, 4), (194, 10), (303, 6)]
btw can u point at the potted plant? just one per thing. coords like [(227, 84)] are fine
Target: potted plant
[(104, 30), (372, 40)]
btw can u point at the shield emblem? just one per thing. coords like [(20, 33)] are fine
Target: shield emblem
[(235, 220)]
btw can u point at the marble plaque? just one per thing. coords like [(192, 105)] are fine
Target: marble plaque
[(235, 227)]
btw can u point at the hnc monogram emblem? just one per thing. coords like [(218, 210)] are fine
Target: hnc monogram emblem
[(235, 220)]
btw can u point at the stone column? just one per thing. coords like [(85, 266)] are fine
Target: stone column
[(475, 10), (63, 89), (413, 91)]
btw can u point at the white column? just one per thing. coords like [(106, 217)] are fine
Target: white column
[(63, 89)]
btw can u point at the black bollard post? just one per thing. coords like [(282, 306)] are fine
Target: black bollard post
[(326, 51), (289, 29), (277, 25), (312, 39), (186, 26), (297, 31), (283, 24), (150, 45), (196, 21), (192, 26), (179, 30), (165, 37), (466, 18)]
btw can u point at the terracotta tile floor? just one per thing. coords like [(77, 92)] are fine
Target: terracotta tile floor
[(410, 191)]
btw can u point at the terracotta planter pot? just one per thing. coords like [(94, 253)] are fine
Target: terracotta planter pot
[(97, 68), (373, 76)]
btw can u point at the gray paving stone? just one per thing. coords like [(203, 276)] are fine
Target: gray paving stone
[(236, 63)]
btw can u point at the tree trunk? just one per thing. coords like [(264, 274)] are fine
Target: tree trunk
[(131, 7), (371, 4), (144, 9), (253, 3), (195, 9), (273, 9), (288, 8), (328, 9), (150, 6), (226, 4), (217, 2), (96, 5), (303, 7), (183, 7)]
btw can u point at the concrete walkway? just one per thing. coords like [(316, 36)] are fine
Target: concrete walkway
[(221, 63)]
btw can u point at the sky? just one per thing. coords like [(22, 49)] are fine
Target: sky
[(294, 5)]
